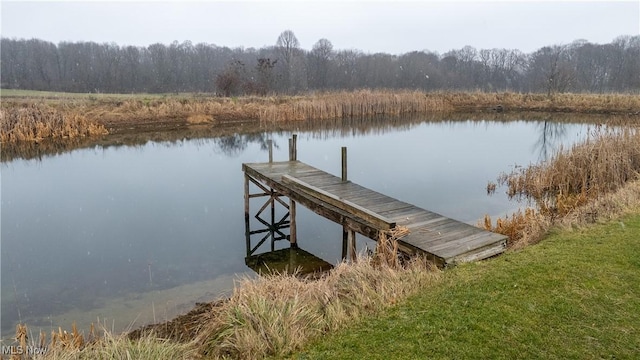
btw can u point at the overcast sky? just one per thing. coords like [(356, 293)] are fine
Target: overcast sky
[(382, 26)]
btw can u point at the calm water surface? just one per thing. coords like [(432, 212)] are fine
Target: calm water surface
[(128, 235)]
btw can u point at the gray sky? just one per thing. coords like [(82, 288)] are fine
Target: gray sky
[(380, 26)]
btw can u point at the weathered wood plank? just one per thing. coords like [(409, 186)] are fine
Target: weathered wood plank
[(380, 221), (408, 213)]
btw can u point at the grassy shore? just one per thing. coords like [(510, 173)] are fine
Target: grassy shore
[(574, 296), (33, 116)]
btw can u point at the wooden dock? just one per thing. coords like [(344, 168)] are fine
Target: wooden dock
[(443, 240)]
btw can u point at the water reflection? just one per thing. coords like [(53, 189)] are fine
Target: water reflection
[(105, 229), (551, 134), (325, 129)]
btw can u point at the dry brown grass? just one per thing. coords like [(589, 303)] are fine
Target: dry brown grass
[(276, 315), (570, 103), (593, 180), (68, 117), (74, 345), (35, 122), (521, 227), (604, 162), (351, 104)]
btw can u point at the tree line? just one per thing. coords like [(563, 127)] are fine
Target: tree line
[(286, 68)]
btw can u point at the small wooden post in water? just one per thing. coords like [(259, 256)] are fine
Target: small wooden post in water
[(293, 156), (293, 148), (344, 163), (270, 145)]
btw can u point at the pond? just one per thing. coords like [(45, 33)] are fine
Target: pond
[(128, 235)]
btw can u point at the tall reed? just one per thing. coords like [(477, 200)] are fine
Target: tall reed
[(30, 118), (608, 159), (40, 121), (574, 186)]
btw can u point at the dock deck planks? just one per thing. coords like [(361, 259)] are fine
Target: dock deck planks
[(443, 239)]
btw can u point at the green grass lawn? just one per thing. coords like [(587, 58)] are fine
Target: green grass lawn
[(576, 295)]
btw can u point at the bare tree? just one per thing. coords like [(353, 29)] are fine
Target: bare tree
[(264, 70), (552, 70), (319, 59), (287, 44), (285, 67), (288, 47), (229, 83)]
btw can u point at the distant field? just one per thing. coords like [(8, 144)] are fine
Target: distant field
[(52, 95)]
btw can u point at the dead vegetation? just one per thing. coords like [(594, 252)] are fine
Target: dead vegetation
[(592, 180), (34, 122), (32, 118), (74, 345)]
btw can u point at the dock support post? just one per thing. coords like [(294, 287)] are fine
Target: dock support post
[(352, 245), (348, 244), (345, 240), (293, 148), (270, 145), (247, 225), (273, 220), (344, 163), (293, 236)]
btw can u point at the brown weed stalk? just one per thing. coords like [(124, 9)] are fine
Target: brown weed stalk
[(69, 116), (40, 121), (603, 163), (595, 179)]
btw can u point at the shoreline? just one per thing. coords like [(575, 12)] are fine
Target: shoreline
[(37, 116)]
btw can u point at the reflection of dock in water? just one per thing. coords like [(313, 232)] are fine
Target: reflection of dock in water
[(357, 209), (287, 261)]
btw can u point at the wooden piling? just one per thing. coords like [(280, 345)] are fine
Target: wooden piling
[(247, 225), (293, 148), (352, 245), (270, 145), (344, 163), (246, 196), (293, 240), (273, 219), (345, 241)]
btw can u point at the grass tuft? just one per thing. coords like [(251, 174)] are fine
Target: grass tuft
[(73, 345), (277, 314)]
